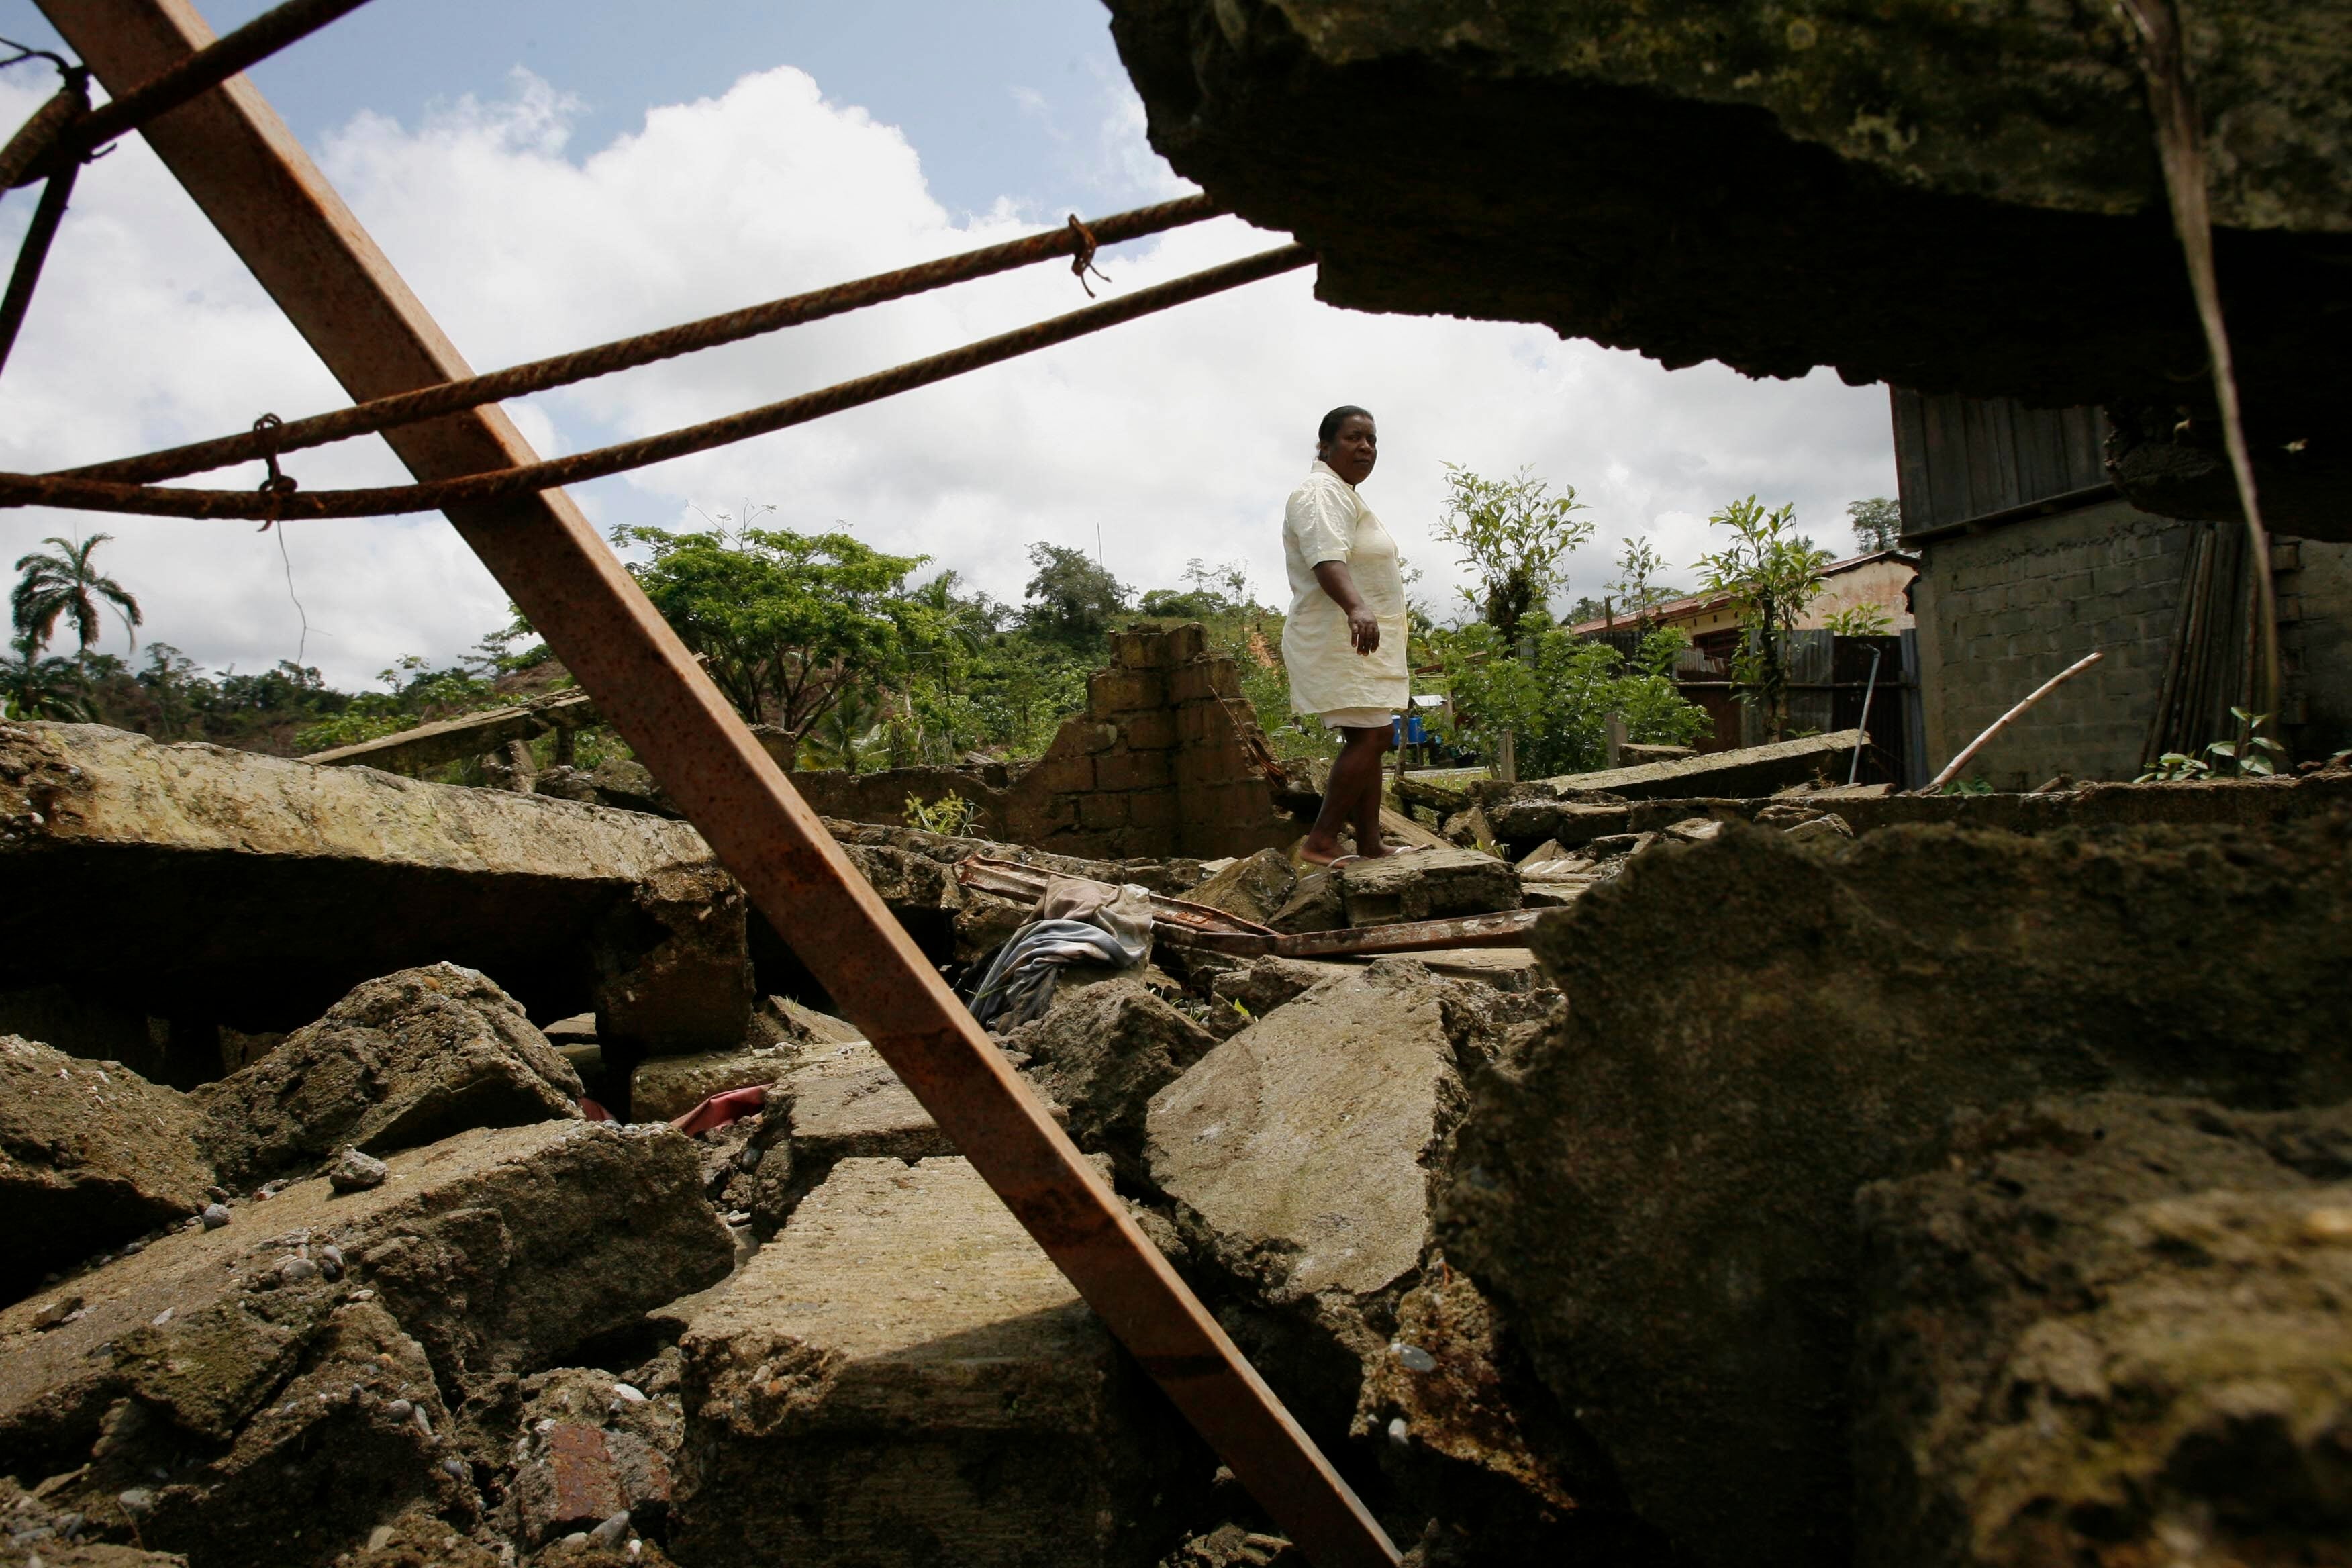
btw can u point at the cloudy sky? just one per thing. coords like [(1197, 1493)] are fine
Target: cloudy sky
[(553, 173)]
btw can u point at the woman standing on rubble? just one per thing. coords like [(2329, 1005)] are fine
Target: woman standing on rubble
[(1344, 642)]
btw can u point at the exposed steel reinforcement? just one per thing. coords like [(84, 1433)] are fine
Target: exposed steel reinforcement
[(1075, 240), (159, 500)]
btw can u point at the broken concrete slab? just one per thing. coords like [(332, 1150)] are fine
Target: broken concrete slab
[(903, 1378), (806, 1025), (352, 1431), (674, 966), (91, 1155), (1747, 771), (1252, 886), (2112, 1326), (1259, 985), (1657, 1191), (840, 1102), (404, 1060), (1529, 820), (1296, 1145), (1296, 1157), (110, 831), (1104, 1050), (1314, 904), (1428, 884), (665, 1088), (311, 1330)]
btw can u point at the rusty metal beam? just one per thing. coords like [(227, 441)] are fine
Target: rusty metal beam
[(245, 169), (1181, 924)]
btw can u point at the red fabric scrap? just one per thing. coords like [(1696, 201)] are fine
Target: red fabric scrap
[(721, 1109)]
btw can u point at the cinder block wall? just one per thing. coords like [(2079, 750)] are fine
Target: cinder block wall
[(1168, 759), (2003, 611)]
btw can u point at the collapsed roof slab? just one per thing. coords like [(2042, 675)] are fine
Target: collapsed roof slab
[(194, 880), (1951, 199)]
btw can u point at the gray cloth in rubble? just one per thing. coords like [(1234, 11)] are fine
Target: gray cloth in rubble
[(1078, 922)]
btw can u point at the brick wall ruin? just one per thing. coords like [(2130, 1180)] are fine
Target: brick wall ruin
[(1168, 759)]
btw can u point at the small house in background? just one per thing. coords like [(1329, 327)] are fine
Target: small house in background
[(1834, 683), (1881, 579), (2030, 558)]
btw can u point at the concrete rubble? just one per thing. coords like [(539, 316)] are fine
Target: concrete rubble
[(266, 1390), (89, 1150), (904, 1378), (228, 881), (402, 1061), (1835, 1176), (2113, 1326), (1659, 1189)]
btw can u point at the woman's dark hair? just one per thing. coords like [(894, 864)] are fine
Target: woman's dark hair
[(1328, 431)]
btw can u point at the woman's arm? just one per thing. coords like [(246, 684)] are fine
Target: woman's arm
[(1363, 627)]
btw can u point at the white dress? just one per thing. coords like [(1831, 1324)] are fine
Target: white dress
[(1326, 520)]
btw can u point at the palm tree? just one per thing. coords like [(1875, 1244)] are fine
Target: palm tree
[(843, 737), (51, 587), (32, 687)]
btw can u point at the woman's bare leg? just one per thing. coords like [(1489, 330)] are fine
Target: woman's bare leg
[(1355, 778), (1369, 842)]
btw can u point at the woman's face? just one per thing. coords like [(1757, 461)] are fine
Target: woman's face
[(1351, 452)]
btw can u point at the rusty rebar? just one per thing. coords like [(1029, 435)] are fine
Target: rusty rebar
[(201, 72), (649, 348), (37, 141), (32, 253), (97, 495)]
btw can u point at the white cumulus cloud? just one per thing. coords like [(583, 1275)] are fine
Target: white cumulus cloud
[(1172, 437)]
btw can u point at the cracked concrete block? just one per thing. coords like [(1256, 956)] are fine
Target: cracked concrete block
[(2111, 1327), (1427, 884), (1658, 1190), (1298, 1157), (110, 831), (1253, 886), (1313, 905), (1104, 1050), (402, 1061), (1299, 1143), (293, 1372), (90, 1154), (903, 1378)]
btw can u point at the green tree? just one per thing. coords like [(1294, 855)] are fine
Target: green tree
[(1770, 575), (67, 585), (415, 693), (847, 733), (171, 684), (1516, 535), (1877, 523), (1557, 700), (1636, 590), (32, 687), (791, 624), (1071, 599)]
